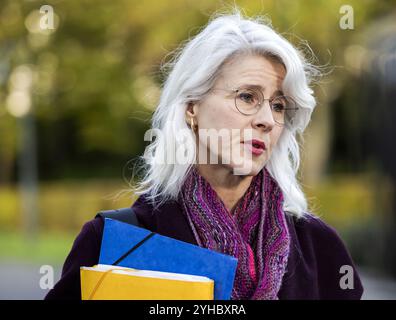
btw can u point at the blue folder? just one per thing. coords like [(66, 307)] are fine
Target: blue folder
[(151, 251)]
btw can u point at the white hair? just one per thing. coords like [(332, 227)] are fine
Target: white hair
[(193, 70)]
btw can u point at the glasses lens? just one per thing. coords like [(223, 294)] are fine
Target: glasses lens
[(278, 107), (247, 100), (284, 109), (291, 110)]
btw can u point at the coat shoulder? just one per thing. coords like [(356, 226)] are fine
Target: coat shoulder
[(324, 257), (84, 252), (313, 226)]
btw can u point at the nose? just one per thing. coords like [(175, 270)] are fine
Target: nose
[(264, 119)]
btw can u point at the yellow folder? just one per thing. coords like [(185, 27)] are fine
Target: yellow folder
[(107, 282)]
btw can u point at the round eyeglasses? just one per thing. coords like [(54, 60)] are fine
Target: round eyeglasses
[(249, 101)]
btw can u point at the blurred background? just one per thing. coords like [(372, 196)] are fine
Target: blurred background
[(79, 81)]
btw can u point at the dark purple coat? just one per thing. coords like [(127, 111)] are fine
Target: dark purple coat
[(313, 271)]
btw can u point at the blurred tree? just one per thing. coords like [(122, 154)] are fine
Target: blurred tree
[(366, 122)]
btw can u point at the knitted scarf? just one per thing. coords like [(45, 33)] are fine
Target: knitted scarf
[(255, 232)]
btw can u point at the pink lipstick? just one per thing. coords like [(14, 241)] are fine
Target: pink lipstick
[(256, 146)]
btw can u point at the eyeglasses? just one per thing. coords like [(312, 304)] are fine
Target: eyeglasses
[(249, 101)]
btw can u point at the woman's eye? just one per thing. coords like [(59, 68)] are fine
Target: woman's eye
[(247, 97), (278, 107)]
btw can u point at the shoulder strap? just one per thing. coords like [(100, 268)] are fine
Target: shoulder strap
[(126, 215)]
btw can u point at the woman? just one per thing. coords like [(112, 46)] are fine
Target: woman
[(242, 86)]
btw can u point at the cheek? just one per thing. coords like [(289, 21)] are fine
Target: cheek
[(275, 136), (217, 114)]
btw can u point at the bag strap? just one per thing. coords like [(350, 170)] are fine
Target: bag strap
[(126, 215)]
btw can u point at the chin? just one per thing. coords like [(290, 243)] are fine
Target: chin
[(249, 168)]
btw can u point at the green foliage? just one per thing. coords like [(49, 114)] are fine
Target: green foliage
[(66, 205), (343, 200), (47, 248)]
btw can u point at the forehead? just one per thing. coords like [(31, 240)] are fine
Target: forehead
[(264, 72)]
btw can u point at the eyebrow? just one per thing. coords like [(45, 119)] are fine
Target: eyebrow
[(257, 86)]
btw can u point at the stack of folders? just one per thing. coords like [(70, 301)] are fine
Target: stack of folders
[(138, 264)]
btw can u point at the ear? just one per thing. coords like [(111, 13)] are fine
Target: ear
[(191, 110)]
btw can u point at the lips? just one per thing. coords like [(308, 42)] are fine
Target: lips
[(256, 146)]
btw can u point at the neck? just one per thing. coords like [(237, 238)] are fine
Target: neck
[(229, 187)]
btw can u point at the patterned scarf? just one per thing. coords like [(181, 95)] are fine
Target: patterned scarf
[(255, 232)]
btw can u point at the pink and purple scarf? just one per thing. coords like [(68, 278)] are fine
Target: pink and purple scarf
[(255, 232)]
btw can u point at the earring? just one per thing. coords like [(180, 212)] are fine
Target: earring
[(192, 123)]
